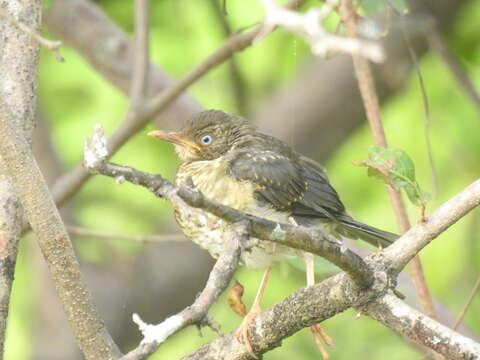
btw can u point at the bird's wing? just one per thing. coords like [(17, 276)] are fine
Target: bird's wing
[(319, 193), (299, 187)]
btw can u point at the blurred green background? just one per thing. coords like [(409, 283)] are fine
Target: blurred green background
[(73, 97)]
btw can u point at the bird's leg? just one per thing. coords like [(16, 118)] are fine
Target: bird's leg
[(319, 334), (242, 332)]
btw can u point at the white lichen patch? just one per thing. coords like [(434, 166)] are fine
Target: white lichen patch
[(160, 332), (278, 234), (120, 179), (399, 308), (95, 150)]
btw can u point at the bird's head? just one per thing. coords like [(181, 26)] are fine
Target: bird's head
[(208, 135)]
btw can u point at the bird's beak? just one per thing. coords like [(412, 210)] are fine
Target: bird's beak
[(174, 138)]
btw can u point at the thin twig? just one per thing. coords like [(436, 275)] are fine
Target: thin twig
[(475, 290), (410, 243), (237, 79), (370, 99), (53, 46), (141, 61), (426, 107), (218, 280), (84, 232), (309, 27), (439, 44)]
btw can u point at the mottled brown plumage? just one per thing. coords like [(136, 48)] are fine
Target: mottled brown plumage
[(225, 158)]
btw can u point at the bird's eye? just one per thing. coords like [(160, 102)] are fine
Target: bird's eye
[(206, 140)]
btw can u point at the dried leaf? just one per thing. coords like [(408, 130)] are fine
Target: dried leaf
[(234, 299)]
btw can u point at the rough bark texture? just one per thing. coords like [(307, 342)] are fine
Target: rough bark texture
[(18, 68), (414, 325), (43, 216)]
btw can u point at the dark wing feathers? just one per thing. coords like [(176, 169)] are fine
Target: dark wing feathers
[(319, 194), (300, 186), (279, 179)]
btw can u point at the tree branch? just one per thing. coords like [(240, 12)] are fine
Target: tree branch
[(298, 237), (421, 329), (414, 240), (306, 307), (218, 280), (309, 27), (141, 60), (439, 44), (17, 158), (53, 46), (18, 84)]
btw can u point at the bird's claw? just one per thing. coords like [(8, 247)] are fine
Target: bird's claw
[(243, 332)]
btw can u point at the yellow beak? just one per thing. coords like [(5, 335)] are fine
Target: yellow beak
[(174, 138)]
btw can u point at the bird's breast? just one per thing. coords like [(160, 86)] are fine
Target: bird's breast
[(207, 230), (211, 178)]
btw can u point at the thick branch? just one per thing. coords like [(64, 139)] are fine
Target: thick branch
[(18, 84), (306, 307), (414, 240), (423, 330), (54, 242)]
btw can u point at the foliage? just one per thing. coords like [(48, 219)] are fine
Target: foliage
[(394, 167)]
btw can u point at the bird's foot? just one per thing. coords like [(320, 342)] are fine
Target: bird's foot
[(243, 333), (321, 337)]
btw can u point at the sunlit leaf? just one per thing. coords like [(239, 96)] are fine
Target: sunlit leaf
[(394, 167)]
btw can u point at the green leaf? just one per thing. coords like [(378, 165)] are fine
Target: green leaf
[(394, 167)]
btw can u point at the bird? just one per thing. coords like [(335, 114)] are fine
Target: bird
[(228, 160)]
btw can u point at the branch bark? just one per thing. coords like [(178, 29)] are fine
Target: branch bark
[(218, 280), (18, 69), (54, 242), (412, 324)]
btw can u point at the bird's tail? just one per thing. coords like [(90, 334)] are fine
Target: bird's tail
[(356, 230)]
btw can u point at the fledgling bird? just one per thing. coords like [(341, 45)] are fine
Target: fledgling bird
[(229, 161)]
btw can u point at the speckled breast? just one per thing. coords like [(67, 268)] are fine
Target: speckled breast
[(207, 230)]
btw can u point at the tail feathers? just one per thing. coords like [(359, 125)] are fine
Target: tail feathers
[(356, 230)]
